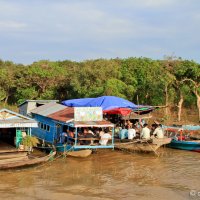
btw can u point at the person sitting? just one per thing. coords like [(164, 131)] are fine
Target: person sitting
[(123, 133), (63, 137), (145, 133), (104, 138), (88, 133), (101, 132), (129, 123), (131, 132), (70, 136), (158, 132)]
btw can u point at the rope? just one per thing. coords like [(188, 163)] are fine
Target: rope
[(152, 149)]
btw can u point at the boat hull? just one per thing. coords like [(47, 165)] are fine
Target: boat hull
[(142, 145), (12, 163), (185, 145)]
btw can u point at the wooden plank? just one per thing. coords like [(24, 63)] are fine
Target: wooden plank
[(88, 139)]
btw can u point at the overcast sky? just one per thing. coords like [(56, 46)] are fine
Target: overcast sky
[(32, 30)]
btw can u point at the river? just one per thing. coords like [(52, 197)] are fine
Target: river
[(107, 175)]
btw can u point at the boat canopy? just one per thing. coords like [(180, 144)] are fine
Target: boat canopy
[(106, 102), (110, 105)]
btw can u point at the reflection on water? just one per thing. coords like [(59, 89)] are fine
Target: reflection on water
[(107, 175)]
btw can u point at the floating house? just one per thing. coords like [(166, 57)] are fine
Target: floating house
[(13, 126), (28, 105), (55, 119)]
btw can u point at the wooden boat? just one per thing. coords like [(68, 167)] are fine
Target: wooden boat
[(190, 145), (80, 154), (12, 154), (142, 145), (24, 161)]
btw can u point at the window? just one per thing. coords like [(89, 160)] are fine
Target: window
[(48, 128), (42, 126)]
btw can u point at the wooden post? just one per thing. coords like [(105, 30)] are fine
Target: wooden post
[(181, 135)]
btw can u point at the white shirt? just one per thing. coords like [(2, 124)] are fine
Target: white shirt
[(131, 133), (104, 139), (158, 132), (145, 134), (101, 133)]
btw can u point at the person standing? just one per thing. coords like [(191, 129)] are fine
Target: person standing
[(63, 137)]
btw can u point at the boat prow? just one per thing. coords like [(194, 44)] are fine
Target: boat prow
[(80, 154)]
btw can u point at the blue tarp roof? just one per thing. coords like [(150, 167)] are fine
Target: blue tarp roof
[(106, 102)]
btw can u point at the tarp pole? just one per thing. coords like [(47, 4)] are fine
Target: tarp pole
[(76, 134), (113, 132)]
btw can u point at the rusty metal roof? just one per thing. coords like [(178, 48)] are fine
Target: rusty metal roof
[(67, 115), (64, 115)]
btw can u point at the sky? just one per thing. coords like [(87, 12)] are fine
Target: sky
[(79, 30)]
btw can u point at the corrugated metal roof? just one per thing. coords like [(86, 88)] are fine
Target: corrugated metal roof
[(38, 101), (17, 115), (18, 121), (48, 109), (10, 119)]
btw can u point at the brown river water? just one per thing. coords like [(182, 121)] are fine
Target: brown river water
[(107, 175)]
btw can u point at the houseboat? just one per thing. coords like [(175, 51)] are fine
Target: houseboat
[(57, 122), (13, 127)]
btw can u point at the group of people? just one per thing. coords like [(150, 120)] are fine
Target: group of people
[(88, 136), (156, 131), (131, 131), (96, 134)]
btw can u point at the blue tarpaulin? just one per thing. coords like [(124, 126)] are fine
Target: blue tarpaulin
[(106, 102)]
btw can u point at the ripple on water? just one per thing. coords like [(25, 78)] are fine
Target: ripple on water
[(107, 175)]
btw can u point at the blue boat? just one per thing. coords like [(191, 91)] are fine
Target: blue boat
[(182, 137), (54, 119), (185, 145)]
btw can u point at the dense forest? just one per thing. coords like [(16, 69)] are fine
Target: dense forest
[(172, 82)]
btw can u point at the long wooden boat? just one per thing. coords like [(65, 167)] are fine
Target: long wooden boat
[(191, 145), (142, 145), (28, 160), (13, 154)]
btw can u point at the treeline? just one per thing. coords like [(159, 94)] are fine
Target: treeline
[(171, 82)]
